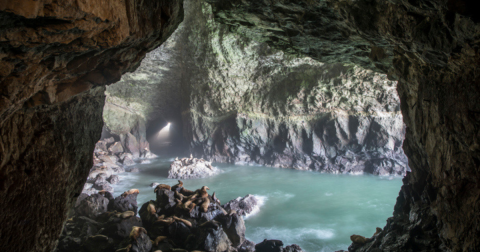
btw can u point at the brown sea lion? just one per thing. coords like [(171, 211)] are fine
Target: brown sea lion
[(162, 186), (203, 191), (179, 196), (179, 185), (205, 204), (232, 212), (358, 239), (166, 221), (126, 214), (378, 231), (151, 208), (136, 232), (126, 249), (210, 224), (215, 198), (186, 192), (188, 223), (131, 191), (159, 239)]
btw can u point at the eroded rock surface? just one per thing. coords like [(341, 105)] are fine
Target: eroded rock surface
[(191, 168), (432, 48), (52, 54)]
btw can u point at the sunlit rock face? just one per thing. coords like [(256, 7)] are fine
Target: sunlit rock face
[(247, 103), (432, 48), (56, 56)]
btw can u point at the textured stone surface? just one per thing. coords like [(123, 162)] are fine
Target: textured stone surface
[(432, 48), (52, 53)]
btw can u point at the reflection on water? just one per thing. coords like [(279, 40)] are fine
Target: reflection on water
[(317, 211)]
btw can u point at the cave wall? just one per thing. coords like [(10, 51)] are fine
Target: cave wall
[(55, 59), (432, 48), (239, 98)]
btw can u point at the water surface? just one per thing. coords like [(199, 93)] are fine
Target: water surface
[(317, 211)]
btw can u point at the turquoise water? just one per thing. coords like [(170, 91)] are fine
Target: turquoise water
[(317, 211)]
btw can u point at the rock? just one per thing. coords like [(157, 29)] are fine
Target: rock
[(269, 246), (133, 169), (190, 168), (92, 206), (154, 184), (103, 186), (98, 170), (109, 140), (116, 148), (165, 200), (101, 146), (128, 161), (69, 243), (123, 204), (211, 237), (98, 243), (234, 226), (132, 146), (113, 179), (242, 206), (119, 228), (100, 178), (247, 246), (293, 248)]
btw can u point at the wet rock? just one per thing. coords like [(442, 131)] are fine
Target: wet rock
[(113, 179), (100, 178), (101, 146), (98, 243), (97, 170), (92, 206), (247, 246), (131, 145), (116, 148), (133, 169), (179, 232), (154, 184), (165, 200), (293, 248), (269, 246), (142, 243), (128, 160), (124, 203), (234, 227), (69, 243), (242, 206), (211, 237), (103, 186), (190, 168), (119, 228)]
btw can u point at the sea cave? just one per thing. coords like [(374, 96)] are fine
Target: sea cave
[(240, 125)]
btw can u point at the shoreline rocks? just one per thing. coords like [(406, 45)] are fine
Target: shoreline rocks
[(242, 206), (191, 168)]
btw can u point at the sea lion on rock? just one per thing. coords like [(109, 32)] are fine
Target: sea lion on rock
[(358, 239), (151, 209), (159, 239), (136, 232), (126, 249), (186, 192), (179, 185), (131, 191), (205, 204), (125, 215), (211, 224), (188, 223), (179, 196), (203, 191), (215, 198), (166, 221), (162, 186), (378, 231)]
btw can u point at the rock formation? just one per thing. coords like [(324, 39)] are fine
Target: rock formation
[(55, 59), (432, 48), (191, 168)]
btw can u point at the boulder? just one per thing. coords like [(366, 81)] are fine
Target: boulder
[(97, 170), (234, 226), (269, 246), (92, 206), (247, 246), (242, 206), (100, 146), (133, 169), (191, 168), (119, 228), (154, 184), (113, 179), (103, 186), (123, 204), (293, 248), (115, 148), (141, 244), (99, 243), (109, 140), (131, 145), (211, 237)]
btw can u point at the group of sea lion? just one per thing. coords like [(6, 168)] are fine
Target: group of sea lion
[(192, 160)]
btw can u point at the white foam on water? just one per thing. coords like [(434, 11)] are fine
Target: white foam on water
[(291, 235), (281, 195), (328, 194), (260, 202)]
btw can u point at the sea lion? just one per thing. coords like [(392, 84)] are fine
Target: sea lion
[(191, 207), (179, 196), (159, 239), (378, 231), (136, 232), (166, 221), (126, 249), (151, 209), (205, 204), (358, 239), (131, 191), (162, 186), (186, 192), (232, 212), (125, 214), (188, 223), (210, 224), (203, 191), (215, 198), (175, 187)]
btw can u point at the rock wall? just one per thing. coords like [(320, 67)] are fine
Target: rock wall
[(432, 48), (244, 102), (55, 58)]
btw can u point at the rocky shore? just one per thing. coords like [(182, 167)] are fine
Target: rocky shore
[(178, 220), (110, 158)]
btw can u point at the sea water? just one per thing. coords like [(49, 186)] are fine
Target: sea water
[(317, 211)]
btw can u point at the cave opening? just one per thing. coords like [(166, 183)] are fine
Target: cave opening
[(212, 80)]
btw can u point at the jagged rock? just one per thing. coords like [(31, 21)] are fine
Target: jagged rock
[(269, 246), (234, 227), (133, 169), (92, 206), (190, 168), (154, 184), (113, 179), (128, 161), (119, 228), (242, 206), (99, 170), (100, 178), (165, 200), (247, 246), (293, 248), (101, 146), (132, 146), (109, 140), (103, 186), (123, 204), (116, 148), (99, 243), (211, 237)]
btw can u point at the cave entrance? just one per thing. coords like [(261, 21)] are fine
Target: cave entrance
[(165, 137)]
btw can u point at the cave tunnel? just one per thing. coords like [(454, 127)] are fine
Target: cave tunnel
[(356, 91)]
